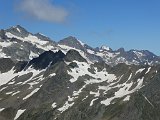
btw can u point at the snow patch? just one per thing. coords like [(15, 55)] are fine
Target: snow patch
[(98, 77), (124, 90), (19, 112), (33, 92), (11, 82), (42, 44), (16, 93), (53, 74), (148, 70), (82, 70), (96, 94), (33, 55), (8, 93), (3, 55), (90, 51), (54, 105), (18, 30), (6, 77), (81, 42), (93, 101), (65, 106), (5, 44), (127, 98), (103, 47), (65, 49), (85, 98), (140, 70), (3, 89), (1, 109), (139, 54), (130, 76)]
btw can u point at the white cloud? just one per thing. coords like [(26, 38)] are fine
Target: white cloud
[(43, 10)]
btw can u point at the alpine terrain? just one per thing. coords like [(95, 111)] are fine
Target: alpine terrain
[(41, 79)]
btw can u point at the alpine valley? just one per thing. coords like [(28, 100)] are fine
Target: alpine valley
[(41, 79)]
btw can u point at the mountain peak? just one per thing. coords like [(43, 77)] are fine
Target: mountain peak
[(121, 50), (105, 48), (75, 39), (72, 42), (46, 58), (18, 28), (71, 37), (18, 31)]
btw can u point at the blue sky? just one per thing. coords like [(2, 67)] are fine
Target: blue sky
[(132, 24)]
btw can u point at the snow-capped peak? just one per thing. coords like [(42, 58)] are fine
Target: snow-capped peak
[(104, 47), (18, 28)]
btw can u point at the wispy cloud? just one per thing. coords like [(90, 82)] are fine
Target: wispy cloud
[(43, 10)]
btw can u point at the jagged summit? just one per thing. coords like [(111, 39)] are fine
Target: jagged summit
[(18, 31), (121, 50), (50, 58), (19, 28), (45, 59), (68, 39), (105, 48)]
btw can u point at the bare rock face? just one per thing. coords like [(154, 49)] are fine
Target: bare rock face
[(72, 42), (74, 55), (6, 64), (45, 59)]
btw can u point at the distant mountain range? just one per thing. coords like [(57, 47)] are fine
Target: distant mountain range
[(41, 79), (19, 44)]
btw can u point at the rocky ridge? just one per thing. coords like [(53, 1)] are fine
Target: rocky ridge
[(19, 44)]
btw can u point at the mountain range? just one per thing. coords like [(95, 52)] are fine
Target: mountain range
[(19, 44), (41, 79)]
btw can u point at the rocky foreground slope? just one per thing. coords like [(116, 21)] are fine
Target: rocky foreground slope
[(69, 80), (55, 86)]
